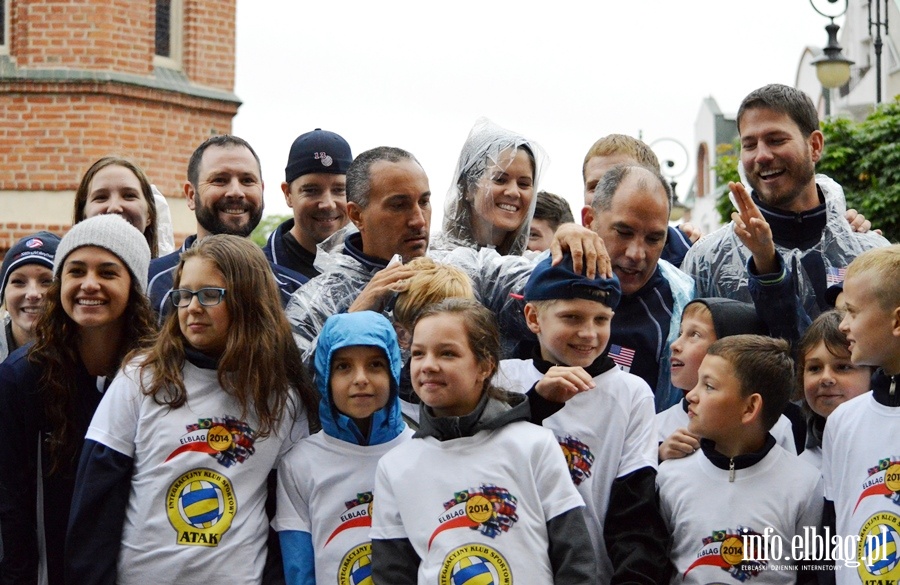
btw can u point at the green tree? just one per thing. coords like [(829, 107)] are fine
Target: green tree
[(863, 157), (266, 226), (727, 157)]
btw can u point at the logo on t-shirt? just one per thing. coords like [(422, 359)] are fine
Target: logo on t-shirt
[(878, 549), (578, 457), (200, 505), (725, 549), (489, 509), (358, 514), (475, 564), (227, 439), (356, 566), (883, 480)]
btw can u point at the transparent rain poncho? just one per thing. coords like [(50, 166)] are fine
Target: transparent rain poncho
[(718, 261), (497, 281), (482, 207)]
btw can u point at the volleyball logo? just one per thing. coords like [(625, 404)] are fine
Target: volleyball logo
[(356, 566), (475, 564), (878, 553), (200, 505)]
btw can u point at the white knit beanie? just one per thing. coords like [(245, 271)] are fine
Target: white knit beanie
[(112, 233)]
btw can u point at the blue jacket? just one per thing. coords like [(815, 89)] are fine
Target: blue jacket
[(278, 253), (24, 423), (162, 275)]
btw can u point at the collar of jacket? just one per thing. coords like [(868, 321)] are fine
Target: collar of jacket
[(795, 230), (603, 363), (742, 461), (353, 248), (885, 389), (489, 414)]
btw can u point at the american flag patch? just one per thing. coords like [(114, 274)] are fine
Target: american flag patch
[(835, 275), (622, 356)]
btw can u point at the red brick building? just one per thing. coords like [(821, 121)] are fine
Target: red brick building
[(82, 79)]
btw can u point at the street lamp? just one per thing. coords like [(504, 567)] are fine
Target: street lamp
[(833, 70), (878, 44)]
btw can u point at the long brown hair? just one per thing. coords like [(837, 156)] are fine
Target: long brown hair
[(81, 196), (261, 366), (55, 354)]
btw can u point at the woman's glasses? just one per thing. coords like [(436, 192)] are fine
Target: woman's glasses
[(208, 297)]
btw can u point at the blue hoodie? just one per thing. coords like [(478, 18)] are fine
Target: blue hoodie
[(345, 330), (352, 329)]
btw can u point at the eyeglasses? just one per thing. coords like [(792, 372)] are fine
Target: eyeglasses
[(208, 297)]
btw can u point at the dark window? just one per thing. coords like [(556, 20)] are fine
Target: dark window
[(2, 22), (163, 27)]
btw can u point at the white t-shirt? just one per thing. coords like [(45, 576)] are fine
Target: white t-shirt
[(674, 418), (325, 488), (708, 516), (477, 505), (861, 469), (605, 433), (196, 510)]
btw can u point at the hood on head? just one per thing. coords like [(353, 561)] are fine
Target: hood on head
[(345, 330)]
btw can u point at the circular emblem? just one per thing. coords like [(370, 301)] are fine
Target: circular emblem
[(732, 551), (219, 438), (475, 564), (479, 509), (356, 566), (327, 161), (877, 551), (892, 478), (200, 505)]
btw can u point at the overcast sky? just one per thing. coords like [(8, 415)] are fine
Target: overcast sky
[(418, 74)]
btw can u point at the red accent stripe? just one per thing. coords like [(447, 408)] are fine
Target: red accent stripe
[(354, 523), (201, 446), (462, 521)]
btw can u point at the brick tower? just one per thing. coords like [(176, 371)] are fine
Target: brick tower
[(82, 79)]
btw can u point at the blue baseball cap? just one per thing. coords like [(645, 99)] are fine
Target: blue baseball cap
[(319, 151), (548, 283)]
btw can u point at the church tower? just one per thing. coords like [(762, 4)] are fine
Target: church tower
[(82, 79)]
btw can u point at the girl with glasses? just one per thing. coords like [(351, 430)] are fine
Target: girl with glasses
[(94, 313), (174, 479)]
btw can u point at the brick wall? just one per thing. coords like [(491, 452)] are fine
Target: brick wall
[(209, 37), (84, 34), (53, 129), (51, 133)]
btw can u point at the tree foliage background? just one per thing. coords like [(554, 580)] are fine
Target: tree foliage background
[(864, 157)]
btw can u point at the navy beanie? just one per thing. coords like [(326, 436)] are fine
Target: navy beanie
[(319, 151), (39, 248), (731, 317), (548, 283)]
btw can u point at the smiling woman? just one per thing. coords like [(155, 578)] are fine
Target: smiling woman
[(95, 312), (492, 200), (24, 279), (115, 185)]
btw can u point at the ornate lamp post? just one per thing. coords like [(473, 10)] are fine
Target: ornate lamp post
[(832, 70), (878, 24)]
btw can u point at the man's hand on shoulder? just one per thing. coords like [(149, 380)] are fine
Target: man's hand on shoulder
[(691, 232), (858, 222)]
